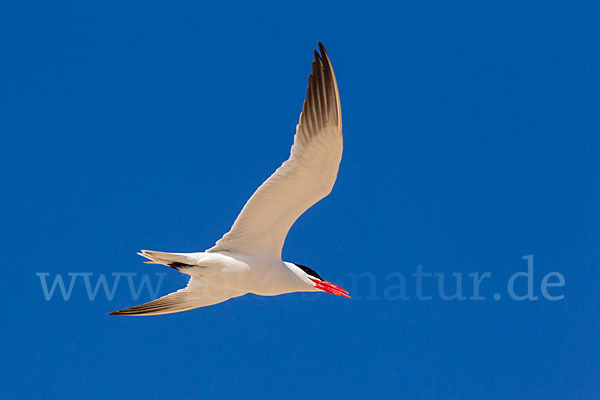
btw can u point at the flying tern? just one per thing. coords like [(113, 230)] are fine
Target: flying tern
[(247, 259)]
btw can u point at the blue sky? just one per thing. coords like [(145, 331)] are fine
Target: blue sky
[(471, 141)]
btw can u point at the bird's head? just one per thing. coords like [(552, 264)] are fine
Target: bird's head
[(310, 277)]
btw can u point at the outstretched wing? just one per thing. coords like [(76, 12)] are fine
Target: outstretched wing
[(198, 293), (304, 179)]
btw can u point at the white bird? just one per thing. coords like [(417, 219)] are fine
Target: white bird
[(247, 259)]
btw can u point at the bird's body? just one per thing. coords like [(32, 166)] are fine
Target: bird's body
[(241, 273), (247, 259)]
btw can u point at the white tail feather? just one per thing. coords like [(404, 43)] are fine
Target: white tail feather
[(159, 257)]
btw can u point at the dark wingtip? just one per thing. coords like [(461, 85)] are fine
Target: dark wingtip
[(115, 313), (317, 55), (322, 49)]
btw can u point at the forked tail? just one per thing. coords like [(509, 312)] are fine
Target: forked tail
[(173, 260)]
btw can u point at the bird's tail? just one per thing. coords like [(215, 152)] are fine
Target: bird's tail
[(173, 260)]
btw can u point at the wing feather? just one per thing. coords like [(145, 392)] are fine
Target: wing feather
[(198, 293), (304, 179)]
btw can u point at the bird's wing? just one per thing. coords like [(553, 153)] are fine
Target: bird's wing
[(304, 179), (198, 293)]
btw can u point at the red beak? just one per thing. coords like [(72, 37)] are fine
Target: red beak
[(330, 288)]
